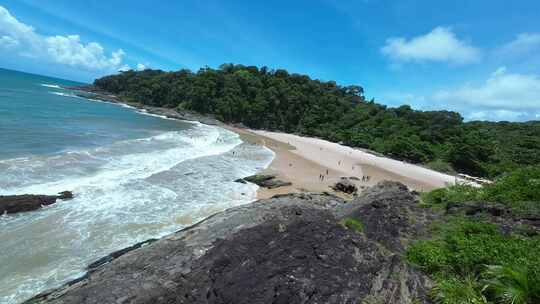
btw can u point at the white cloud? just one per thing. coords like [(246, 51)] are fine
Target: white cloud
[(503, 95), (440, 45), (141, 67), (501, 90), (8, 42), (124, 68), (524, 44), (499, 115), (23, 40)]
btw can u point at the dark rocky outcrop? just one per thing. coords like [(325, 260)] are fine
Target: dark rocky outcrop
[(240, 180), (93, 93), (65, 195), (391, 215), (503, 216), (264, 180), (287, 249), (346, 186), (29, 202), (474, 208)]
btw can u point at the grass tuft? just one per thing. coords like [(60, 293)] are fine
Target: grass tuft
[(353, 224)]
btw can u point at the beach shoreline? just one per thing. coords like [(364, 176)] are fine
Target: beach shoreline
[(310, 164), (304, 160)]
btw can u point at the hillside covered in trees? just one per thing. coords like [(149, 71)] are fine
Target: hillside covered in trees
[(277, 100)]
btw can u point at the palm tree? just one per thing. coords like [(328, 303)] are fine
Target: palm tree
[(512, 285)]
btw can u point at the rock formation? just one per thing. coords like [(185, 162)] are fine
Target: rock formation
[(264, 180), (287, 249), (345, 185), (29, 202)]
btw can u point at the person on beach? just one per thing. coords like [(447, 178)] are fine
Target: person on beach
[(326, 171)]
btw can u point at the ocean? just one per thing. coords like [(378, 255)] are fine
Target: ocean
[(135, 176)]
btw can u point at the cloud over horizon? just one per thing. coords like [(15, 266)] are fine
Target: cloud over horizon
[(18, 38), (524, 44), (141, 67), (439, 45), (503, 96)]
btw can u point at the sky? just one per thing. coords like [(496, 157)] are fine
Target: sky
[(478, 57)]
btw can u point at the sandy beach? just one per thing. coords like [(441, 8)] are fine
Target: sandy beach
[(302, 160)]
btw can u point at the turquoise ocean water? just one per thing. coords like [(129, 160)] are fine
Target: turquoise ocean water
[(37, 118), (135, 176)]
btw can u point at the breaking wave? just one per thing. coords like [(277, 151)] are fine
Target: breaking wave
[(125, 193), (55, 86)]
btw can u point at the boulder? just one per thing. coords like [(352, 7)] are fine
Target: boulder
[(65, 195), (25, 202), (265, 180), (240, 180), (29, 202), (259, 179), (287, 249), (346, 186)]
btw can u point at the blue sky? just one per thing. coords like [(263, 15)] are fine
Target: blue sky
[(481, 58)]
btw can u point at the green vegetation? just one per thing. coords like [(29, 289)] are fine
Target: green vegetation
[(441, 166), (520, 191), (475, 261), (472, 260), (353, 224), (516, 284), (276, 100)]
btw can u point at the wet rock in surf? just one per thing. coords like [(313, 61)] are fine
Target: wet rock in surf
[(287, 249), (240, 180), (65, 195), (265, 180), (29, 202)]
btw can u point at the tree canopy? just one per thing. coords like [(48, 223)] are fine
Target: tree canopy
[(271, 99)]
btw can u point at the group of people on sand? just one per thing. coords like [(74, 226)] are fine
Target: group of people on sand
[(322, 175)]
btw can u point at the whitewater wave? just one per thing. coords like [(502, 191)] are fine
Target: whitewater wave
[(66, 94), (125, 193), (55, 86), (140, 111), (127, 160), (145, 112)]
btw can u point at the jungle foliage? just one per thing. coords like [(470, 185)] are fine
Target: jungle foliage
[(475, 259), (263, 98)]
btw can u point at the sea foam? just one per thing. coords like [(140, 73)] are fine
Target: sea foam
[(125, 193), (55, 86)]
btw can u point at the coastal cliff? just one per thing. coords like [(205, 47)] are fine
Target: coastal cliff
[(294, 248)]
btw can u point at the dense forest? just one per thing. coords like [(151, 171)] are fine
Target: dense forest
[(484, 256), (263, 98)]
